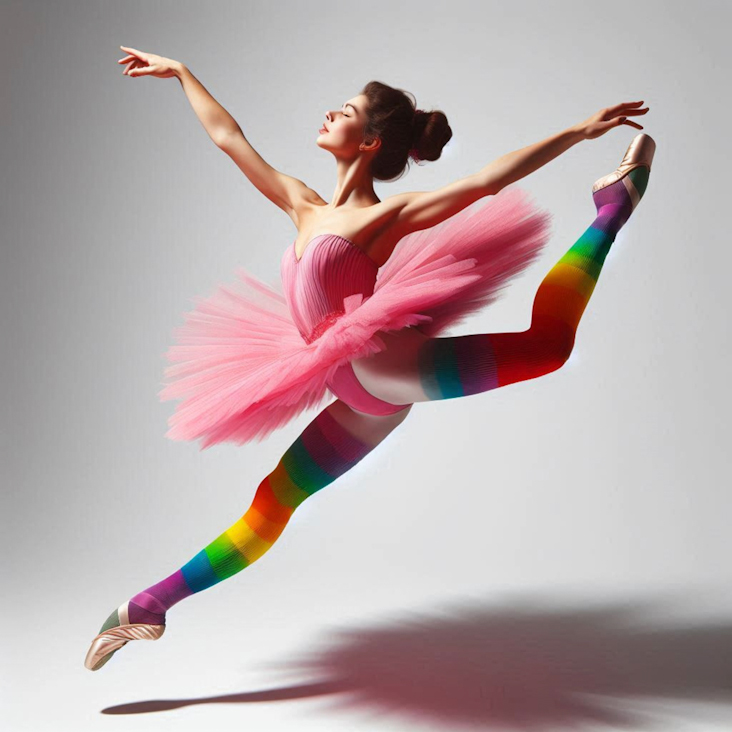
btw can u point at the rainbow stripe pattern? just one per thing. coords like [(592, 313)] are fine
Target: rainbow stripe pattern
[(461, 365), (324, 451), (448, 367)]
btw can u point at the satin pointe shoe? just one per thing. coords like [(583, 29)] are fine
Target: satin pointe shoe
[(638, 155), (116, 632)]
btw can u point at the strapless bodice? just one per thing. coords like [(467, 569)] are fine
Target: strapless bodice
[(330, 269), (253, 356)]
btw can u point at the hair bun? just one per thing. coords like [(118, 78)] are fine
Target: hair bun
[(419, 122), (404, 129)]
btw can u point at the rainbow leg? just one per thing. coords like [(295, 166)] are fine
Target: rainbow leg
[(415, 368), (337, 439)]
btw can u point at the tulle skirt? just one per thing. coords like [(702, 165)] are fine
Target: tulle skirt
[(241, 368)]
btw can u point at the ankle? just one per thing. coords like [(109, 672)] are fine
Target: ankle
[(139, 614), (146, 608), (614, 207)]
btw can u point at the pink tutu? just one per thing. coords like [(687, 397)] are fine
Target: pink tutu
[(251, 357)]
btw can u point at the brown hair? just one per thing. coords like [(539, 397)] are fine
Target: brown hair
[(392, 116)]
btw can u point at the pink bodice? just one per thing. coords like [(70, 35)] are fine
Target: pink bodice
[(251, 357), (331, 268)]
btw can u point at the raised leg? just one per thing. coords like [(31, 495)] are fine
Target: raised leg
[(415, 368)]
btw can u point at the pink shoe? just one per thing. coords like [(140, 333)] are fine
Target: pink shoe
[(115, 633), (639, 153)]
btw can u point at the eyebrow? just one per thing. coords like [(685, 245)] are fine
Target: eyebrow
[(348, 104)]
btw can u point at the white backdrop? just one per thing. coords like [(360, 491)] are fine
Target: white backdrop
[(551, 554)]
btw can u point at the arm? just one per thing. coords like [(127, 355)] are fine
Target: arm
[(283, 190), (215, 119), (518, 164), (423, 209), (287, 192)]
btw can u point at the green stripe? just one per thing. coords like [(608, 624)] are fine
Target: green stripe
[(304, 471), (589, 252), (639, 178), (225, 557), (446, 368)]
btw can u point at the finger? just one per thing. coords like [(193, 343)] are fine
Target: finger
[(134, 66), (140, 54), (635, 111), (620, 106), (130, 65), (630, 123), (145, 70), (125, 60)]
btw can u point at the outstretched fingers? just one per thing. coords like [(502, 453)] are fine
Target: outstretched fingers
[(619, 114)]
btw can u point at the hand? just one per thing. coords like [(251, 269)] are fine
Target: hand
[(140, 63), (609, 117)]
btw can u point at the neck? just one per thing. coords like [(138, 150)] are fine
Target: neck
[(354, 186)]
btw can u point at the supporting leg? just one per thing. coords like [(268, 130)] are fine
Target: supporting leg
[(337, 439)]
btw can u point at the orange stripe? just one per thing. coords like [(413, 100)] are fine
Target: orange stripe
[(570, 275), (564, 303), (265, 501), (260, 525)]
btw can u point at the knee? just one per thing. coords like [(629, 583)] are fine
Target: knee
[(555, 342), (562, 347)]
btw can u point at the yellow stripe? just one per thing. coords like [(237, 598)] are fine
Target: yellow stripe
[(248, 542), (262, 526)]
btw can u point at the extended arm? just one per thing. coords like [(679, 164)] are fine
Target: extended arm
[(215, 119), (283, 190), (423, 209), (518, 164)]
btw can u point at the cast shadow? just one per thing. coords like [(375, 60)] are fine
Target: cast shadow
[(531, 665)]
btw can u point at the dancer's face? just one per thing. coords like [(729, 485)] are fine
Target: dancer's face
[(342, 131)]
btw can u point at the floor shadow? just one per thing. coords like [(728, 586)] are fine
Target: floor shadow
[(530, 665)]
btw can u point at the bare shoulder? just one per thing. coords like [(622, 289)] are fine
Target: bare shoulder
[(385, 226)]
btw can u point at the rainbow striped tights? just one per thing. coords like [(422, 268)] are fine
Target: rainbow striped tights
[(443, 368)]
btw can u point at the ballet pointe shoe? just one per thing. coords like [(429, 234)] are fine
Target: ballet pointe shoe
[(639, 154), (115, 633)]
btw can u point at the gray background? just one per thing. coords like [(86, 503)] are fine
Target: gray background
[(551, 554)]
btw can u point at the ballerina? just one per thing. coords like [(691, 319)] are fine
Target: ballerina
[(361, 310)]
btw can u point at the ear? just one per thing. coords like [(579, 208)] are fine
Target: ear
[(373, 144)]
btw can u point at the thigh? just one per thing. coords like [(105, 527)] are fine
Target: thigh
[(418, 368), (393, 374), (369, 429)]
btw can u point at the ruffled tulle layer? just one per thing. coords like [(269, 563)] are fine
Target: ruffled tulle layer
[(242, 368)]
